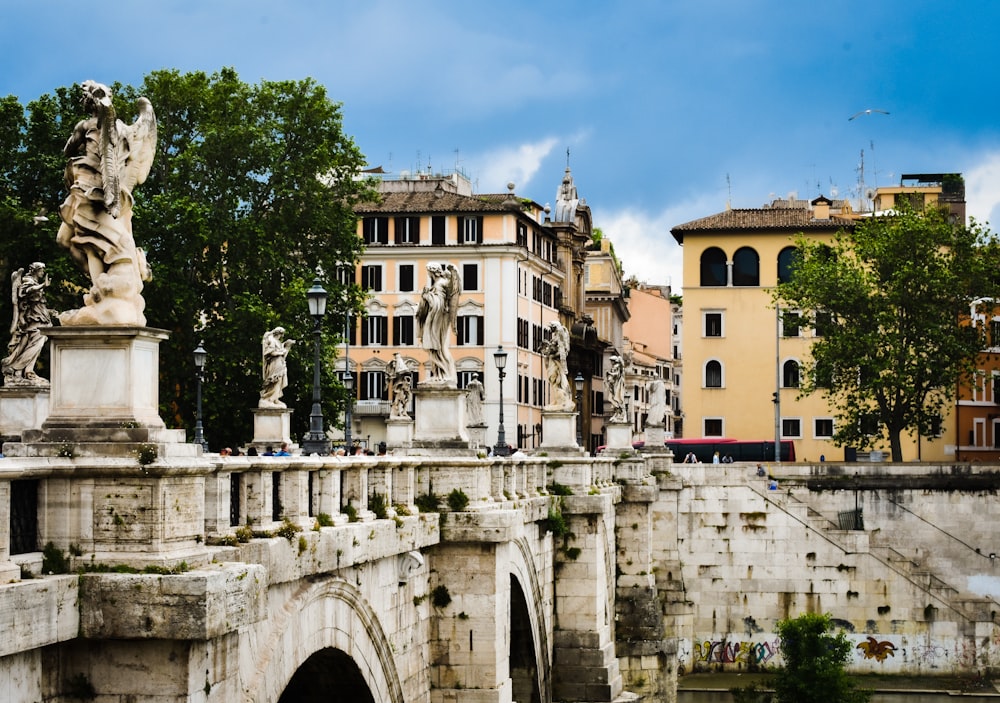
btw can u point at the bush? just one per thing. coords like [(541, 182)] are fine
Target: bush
[(428, 503), (814, 663), (457, 500)]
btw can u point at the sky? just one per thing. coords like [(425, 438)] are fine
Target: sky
[(666, 111)]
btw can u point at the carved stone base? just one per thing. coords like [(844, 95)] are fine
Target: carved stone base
[(398, 433), (440, 416), (559, 433), (477, 436), (271, 427), (104, 397), (655, 437), (22, 408), (619, 436)]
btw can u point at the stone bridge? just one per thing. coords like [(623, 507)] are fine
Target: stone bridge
[(327, 578)]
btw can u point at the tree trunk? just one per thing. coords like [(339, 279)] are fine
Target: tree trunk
[(895, 445)]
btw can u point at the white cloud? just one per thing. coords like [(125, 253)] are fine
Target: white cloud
[(493, 170), (982, 190)]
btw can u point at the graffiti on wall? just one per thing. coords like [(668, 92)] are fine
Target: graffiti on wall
[(727, 652), (875, 649)]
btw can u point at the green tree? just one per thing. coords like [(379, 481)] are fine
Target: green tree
[(886, 298), (252, 188), (814, 663)]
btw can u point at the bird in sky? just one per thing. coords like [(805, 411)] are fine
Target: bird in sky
[(867, 112)]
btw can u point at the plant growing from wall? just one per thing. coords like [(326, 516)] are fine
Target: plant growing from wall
[(378, 505), (457, 500), (428, 503), (440, 597), (814, 663)]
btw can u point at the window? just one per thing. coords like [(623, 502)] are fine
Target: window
[(790, 374), (713, 374), (371, 386), (791, 323), (470, 276), (547, 293), (371, 277), (713, 324), (823, 325), (786, 259), (522, 234), (438, 230), (791, 427), (713, 267), (375, 230), (823, 427), (995, 332), (407, 230), (869, 424), (466, 377), (522, 333), (406, 278), (470, 330), (402, 330), (746, 267), (713, 427), (470, 230), (374, 331)]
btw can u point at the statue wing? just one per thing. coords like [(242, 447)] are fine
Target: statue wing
[(141, 136), (454, 288), (15, 286)]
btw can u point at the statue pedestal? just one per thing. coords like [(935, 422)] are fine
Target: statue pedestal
[(655, 437), (477, 436), (559, 433), (439, 421), (272, 427), (619, 436), (104, 397), (22, 408), (398, 433)]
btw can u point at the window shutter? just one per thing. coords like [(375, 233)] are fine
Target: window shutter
[(479, 230), (396, 332), (364, 333), (400, 224), (460, 331), (363, 386), (383, 330)]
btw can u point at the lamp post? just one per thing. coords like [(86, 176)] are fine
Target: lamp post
[(316, 441), (348, 382), (500, 359), (578, 382), (344, 270), (200, 355)]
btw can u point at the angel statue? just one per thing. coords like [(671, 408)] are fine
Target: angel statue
[(106, 160), (614, 388), (657, 404), (26, 339), (274, 349), (554, 350), (400, 388), (436, 317)]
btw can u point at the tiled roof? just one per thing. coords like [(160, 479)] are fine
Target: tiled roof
[(392, 203), (756, 219)]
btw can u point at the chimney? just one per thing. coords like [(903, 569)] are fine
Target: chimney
[(821, 208)]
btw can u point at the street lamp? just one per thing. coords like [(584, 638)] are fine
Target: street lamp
[(578, 382), (345, 273), (348, 382), (316, 441), (200, 355), (500, 359)]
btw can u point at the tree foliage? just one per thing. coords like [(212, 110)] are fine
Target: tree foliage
[(252, 188), (814, 663), (885, 298)]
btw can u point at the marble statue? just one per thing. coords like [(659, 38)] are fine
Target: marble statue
[(106, 160), (436, 317), (31, 313), (554, 350), (475, 396), (657, 404), (400, 388), (614, 388), (274, 350), (566, 200)]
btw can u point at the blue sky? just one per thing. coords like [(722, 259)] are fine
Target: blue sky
[(670, 110)]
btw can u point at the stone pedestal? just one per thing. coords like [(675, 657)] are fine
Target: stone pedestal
[(22, 408), (104, 397), (655, 437), (559, 433), (619, 436), (398, 433), (439, 421), (271, 427), (477, 436)]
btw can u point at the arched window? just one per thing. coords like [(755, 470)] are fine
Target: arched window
[(746, 267), (713, 267), (785, 257), (790, 374), (713, 374)]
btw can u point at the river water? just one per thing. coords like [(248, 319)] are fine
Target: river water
[(879, 697)]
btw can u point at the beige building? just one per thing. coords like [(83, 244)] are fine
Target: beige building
[(649, 337), (743, 356)]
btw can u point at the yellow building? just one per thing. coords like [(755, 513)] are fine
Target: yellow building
[(742, 357)]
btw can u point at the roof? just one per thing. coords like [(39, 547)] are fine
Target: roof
[(758, 219), (443, 202)]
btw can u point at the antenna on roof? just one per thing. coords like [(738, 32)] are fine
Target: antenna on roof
[(567, 157), (729, 196)]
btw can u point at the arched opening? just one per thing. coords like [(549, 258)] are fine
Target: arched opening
[(746, 267), (523, 667), (328, 676), (790, 374), (786, 260), (713, 267)]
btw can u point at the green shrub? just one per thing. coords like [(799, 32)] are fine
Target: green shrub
[(428, 503), (54, 560), (457, 500), (378, 505), (440, 598)]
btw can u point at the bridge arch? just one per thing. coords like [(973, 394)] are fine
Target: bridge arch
[(324, 624), (529, 618)]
